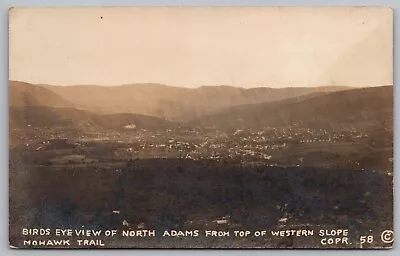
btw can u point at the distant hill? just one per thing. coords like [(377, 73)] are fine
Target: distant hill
[(173, 103), (25, 94), (22, 117), (365, 107), (223, 107)]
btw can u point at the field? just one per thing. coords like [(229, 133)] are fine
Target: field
[(184, 194)]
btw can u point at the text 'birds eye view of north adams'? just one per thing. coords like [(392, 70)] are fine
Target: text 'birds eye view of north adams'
[(201, 127)]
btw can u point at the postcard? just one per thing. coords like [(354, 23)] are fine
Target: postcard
[(201, 127)]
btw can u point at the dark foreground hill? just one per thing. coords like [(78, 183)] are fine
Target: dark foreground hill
[(178, 194), (357, 108)]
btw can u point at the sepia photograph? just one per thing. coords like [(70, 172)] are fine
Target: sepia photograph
[(201, 127)]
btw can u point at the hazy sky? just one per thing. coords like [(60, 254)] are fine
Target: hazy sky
[(191, 47)]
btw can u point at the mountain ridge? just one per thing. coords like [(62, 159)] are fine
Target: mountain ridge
[(182, 87), (172, 103), (355, 107)]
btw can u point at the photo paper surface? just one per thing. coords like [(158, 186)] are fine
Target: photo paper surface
[(201, 127)]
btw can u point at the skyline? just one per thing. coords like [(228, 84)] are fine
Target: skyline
[(203, 46), (197, 87)]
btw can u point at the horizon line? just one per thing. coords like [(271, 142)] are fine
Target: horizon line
[(198, 87)]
